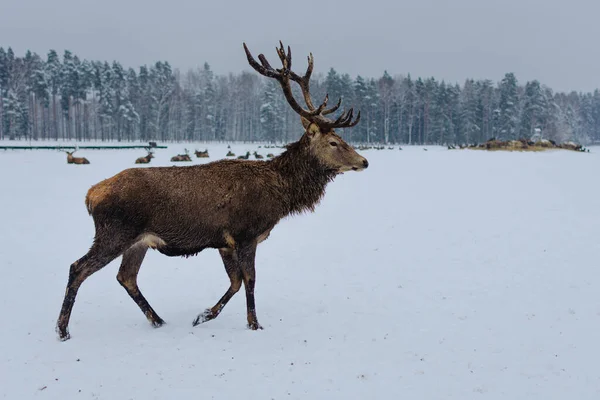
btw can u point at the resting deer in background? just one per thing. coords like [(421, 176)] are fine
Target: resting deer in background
[(146, 159), (75, 160), (202, 154), (229, 205), (181, 157)]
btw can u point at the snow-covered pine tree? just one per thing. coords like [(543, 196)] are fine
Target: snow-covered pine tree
[(595, 137), (470, 123), (411, 108), (385, 88), (361, 131), (487, 104), (271, 120), (208, 99), (41, 94), (53, 74), (508, 119), (534, 110)]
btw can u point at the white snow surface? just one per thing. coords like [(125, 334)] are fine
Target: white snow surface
[(431, 275)]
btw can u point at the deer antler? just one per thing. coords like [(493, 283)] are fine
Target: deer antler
[(283, 76), (304, 81)]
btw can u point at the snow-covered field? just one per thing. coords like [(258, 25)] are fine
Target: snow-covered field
[(432, 275)]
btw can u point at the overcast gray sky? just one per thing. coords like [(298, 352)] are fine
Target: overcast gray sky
[(553, 41)]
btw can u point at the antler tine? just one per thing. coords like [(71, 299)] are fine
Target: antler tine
[(264, 62), (344, 117), (320, 109), (283, 57), (334, 108), (261, 69), (350, 125), (286, 59), (345, 120), (307, 74), (309, 69), (348, 117)]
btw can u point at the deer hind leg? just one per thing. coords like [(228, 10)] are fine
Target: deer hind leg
[(232, 268), (96, 259), (246, 256), (127, 277)]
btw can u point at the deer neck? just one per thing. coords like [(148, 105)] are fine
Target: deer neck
[(304, 177)]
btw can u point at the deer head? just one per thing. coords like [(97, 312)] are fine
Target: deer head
[(327, 146)]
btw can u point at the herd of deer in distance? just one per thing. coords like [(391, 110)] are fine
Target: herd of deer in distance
[(491, 144), (179, 157), (204, 154)]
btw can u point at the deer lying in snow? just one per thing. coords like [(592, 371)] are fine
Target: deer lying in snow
[(202, 154), (229, 205), (146, 159), (75, 160), (181, 157)]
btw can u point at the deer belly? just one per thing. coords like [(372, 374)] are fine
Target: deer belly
[(189, 242)]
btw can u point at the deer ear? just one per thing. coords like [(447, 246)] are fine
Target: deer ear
[(312, 130)]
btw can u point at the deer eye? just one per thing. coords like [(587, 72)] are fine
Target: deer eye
[(333, 144)]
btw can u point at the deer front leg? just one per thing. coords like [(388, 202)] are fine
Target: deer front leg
[(246, 256), (97, 258), (234, 272)]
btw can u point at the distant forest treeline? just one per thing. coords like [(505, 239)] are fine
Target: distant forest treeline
[(73, 99)]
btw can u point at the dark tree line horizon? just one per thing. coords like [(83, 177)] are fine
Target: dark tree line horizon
[(66, 98)]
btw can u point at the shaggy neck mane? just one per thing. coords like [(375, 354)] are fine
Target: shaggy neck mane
[(304, 177)]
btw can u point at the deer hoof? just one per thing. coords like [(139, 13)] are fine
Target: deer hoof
[(157, 323), (63, 336), (207, 315), (255, 326)]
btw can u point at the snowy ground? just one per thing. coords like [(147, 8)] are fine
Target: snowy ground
[(431, 275)]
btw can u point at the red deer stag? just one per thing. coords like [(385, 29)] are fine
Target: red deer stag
[(146, 159), (182, 157), (229, 205), (75, 160), (202, 154)]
